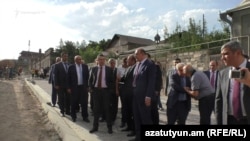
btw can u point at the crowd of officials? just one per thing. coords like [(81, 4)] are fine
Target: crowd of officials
[(138, 83)]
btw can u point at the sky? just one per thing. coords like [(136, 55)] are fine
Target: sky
[(45, 22)]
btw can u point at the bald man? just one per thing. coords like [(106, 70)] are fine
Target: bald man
[(77, 86), (202, 91)]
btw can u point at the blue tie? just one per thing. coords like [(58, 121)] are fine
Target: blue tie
[(182, 96)]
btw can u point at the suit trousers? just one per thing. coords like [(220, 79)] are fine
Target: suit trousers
[(79, 95), (154, 110), (114, 105), (64, 100), (128, 107), (142, 114), (54, 94), (178, 112), (205, 109), (101, 99)]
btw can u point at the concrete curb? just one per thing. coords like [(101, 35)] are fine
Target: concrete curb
[(61, 126)]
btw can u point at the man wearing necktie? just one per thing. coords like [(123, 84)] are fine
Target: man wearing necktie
[(227, 111), (101, 82), (114, 91), (212, 74), (77, 78), (61, 84), (144, 90), (178, 102), (170, 72)]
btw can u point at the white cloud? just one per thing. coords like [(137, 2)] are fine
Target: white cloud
[(139, 10), (44, 22), (119, 9)]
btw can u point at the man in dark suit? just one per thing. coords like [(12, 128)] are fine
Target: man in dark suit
[(232, 101), (121, 70), (77, 78), (179, 102), (127, 92), (144, 90), (114, 91), (212, 75), (60, 72), (101, 82), (52, 82), (158, 86)]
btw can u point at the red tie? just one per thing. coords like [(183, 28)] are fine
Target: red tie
[(236, 100)]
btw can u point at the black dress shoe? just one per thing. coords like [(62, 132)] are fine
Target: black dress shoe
[(126, 129), (74, 119), (122, 125), (67, 113), (110, 131), (131, 134), (86, 119), (93, 130), (102, 120)]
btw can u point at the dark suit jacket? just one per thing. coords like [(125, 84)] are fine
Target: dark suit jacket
[(176, 89), (208, 75), (145, 82), (128, 76), (109, 77), (51, 74), (72, 76), (158, 83), (222, 97), (60, 75)]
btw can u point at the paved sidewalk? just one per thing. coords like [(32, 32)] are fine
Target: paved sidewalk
[(80, 130)]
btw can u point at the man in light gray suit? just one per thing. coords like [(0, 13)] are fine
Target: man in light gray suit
[(227, 111), (170, 72)]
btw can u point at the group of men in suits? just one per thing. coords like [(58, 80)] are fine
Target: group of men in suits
[(214, 89), (70, 86), (139, 87)]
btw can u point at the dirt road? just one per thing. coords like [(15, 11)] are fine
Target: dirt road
[(21, 115)]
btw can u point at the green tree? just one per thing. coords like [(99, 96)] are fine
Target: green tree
[(68, 47), (89, 53), (196, 33)]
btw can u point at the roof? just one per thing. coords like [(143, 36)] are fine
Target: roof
[(243, 5), (131, 39)]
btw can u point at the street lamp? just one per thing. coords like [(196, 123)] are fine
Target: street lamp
[(157, 41)]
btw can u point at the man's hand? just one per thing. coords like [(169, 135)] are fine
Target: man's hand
[(57, 87), (246, 79), (69, 91), (147, 101)]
